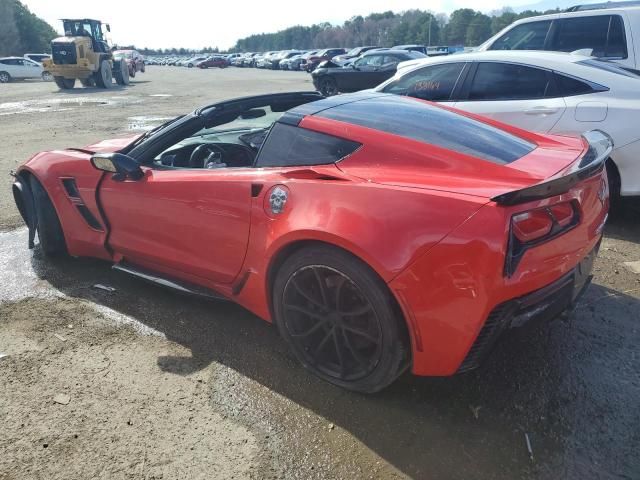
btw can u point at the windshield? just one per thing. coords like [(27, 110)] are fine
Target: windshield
[(254, 119), (122, 55)]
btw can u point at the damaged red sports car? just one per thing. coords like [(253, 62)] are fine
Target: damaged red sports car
[(378, 232)]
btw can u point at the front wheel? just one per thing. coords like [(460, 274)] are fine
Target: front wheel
[(49, 229), (122, 76), (328, 87), (340, 319), (104, 75), (65, 83), (88, 82)]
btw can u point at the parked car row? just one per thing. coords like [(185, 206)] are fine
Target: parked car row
[(309, 60)]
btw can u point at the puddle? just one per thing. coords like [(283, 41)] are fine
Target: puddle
[(161, 95), (24, 274), (144, 123), (62, 104)]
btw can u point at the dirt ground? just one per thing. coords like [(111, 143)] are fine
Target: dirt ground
[(144, 383)]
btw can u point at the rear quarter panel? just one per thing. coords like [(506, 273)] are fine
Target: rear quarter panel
[(386, 227), (450, 291)]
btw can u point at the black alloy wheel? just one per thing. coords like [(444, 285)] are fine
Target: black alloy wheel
[(339, 319), (328, 87)]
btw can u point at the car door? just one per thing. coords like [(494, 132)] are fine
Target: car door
[(513, 93), (18, 68), (192, 223), (31, 69), (363, 74), (385, 71)]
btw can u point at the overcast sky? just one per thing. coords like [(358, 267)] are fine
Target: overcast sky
[(197, 24)]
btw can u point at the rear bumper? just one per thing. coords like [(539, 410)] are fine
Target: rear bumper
[(543, 305)]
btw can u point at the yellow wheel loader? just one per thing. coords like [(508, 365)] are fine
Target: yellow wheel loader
[(83, 54)]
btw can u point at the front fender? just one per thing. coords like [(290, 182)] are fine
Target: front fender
[(51, 169)]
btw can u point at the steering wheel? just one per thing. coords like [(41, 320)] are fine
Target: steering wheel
[(201, 154)]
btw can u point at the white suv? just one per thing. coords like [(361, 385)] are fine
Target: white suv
[(20, 68), (607, 29)]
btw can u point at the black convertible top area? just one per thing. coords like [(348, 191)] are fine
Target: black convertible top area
[(417, 120)]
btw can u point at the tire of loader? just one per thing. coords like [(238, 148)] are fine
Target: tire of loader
[(65, 83), (122, 73), (104, 75), (88, 82)]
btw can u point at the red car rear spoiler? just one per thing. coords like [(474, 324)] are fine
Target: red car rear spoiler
[(592, 162)]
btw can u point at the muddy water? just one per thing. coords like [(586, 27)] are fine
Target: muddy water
[(58, 104), (24, 274)]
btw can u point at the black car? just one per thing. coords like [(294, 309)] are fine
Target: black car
[(368, 71)]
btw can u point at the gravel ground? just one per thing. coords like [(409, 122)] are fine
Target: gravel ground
[(142, 383)]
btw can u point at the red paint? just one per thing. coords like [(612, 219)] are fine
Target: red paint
[(419, 215)]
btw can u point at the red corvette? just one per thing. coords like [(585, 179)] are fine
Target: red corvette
[(378, 232)]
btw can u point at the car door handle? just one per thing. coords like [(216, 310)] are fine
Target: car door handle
[(541, 111)]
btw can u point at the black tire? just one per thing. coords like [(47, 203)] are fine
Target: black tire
[(47, 77), (340, 319), (122, 74), (48, 224), (5, 77), (143, 69), (88, 82), (614, 186), (104, 75), (65, 83), (328, 87)]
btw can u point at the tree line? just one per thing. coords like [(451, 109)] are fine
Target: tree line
[(21, 31), (465, 26)]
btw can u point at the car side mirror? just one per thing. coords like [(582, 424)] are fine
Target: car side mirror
[(108, 28), (123, 166)]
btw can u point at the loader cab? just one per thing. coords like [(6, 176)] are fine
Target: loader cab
[(87, 28)]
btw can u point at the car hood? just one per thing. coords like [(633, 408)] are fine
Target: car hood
[(110, 146)]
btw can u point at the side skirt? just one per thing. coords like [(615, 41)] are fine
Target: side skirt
[(174, 284)]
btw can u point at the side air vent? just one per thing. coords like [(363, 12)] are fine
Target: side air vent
[(71, 187), (88, 217)]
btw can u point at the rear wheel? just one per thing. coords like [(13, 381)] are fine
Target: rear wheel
[(328, 87), (65, 83), (48, 225), (613, 176), (47, 77), (5, 77), (104, 75), (340, 319)]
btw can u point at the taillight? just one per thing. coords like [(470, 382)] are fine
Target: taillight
[(531, 228)]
